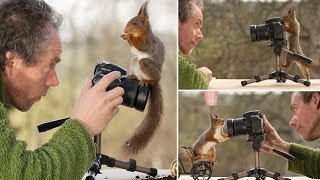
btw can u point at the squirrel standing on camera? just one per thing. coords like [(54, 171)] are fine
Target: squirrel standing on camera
[(204, 148), (146, 66), (292, 27)]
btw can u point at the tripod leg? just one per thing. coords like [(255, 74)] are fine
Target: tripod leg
[(258, 78), (296, 79), (274, 175), (236, 175)]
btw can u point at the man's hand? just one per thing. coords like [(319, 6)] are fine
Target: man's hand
[(273, 139), (95, 107), (207, 72)]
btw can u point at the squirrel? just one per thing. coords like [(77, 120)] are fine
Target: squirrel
[(292, 27), (146, 66), (204, 148)]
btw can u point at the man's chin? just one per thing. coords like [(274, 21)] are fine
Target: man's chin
[(186, 51), (26, 107), (307, 137)]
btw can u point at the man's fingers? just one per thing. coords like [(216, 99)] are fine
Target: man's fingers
[(266, 122), (87, 86), (115, 111), (114, 93), (106, 80), (116, 102)]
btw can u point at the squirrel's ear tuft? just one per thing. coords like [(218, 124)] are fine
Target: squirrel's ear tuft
[(144, 10), (213, 117), (292, 10)]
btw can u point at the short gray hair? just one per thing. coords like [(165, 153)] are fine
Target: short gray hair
[(306, 95), (185, 8), (24, 27)]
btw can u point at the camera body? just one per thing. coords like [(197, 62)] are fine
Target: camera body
[(251, 123), (135, 96), (271, 30)]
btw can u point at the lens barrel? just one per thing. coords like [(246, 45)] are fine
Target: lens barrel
[(259, 32), (135, 96), (236, 127)]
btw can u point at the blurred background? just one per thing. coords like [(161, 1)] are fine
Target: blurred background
[(236, 155), (90, 33), (227, 49)]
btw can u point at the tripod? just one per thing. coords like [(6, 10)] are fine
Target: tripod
[(257, 172), (279, 75), (102, 159)]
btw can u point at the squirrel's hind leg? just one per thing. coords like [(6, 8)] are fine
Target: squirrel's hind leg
[(148, 67)]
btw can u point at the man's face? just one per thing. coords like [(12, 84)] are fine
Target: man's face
[(26, 84), (189, 31), (306, 119)]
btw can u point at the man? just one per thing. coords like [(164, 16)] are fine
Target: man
[(305, 108), (190, 23), (30, 48)]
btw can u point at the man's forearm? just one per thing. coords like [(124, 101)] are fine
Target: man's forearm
[(68, 154), (306, 162)]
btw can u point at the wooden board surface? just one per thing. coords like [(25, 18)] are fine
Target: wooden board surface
[(188, 177), (121, 174), (270, 84)]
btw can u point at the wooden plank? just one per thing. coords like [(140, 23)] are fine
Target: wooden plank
[(270, 84), (121, 174)]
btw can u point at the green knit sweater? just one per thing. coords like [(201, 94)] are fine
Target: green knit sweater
[(189, 76), (306, 162), (67, 155)]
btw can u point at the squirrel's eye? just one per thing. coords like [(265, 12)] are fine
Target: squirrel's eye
[(135, 24)]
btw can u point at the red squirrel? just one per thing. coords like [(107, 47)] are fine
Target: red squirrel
[(146, 66), (292, 27), (204, 148)]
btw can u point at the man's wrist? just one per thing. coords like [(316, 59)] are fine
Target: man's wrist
[(86, 127), (285, 146)]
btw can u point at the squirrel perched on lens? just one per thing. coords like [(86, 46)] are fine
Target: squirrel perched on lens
[(146, 66), (292, 27)]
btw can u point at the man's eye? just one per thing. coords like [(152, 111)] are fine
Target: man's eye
[(51, 66), (294, 109)]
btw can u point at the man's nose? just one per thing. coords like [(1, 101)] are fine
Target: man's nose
[(53, 79), (199, 35), (293, 122)]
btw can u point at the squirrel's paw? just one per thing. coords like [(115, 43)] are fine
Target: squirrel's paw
[(143, 83), (212, 163), (125, 36), (133, 76)]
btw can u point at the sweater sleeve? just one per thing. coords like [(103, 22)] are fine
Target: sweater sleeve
[(190, 77), (68, 154), (306, 162)]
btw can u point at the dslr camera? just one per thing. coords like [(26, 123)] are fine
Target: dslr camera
[(251, 123), (271, 30), (135, 96)]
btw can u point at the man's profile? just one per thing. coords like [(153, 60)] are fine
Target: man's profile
[(30, 49)]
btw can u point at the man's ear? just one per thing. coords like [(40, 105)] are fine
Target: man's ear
[(316, 99), (10, 59)]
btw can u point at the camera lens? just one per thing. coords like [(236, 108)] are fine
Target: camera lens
[(259, 32), (135, 96), (236, 127)]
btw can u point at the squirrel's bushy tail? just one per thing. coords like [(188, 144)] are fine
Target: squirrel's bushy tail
[(149, 125), (315, 66)]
